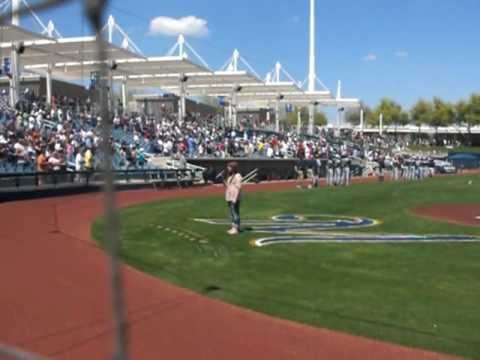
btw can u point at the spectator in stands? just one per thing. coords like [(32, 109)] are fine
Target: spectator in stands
[(88, 160)]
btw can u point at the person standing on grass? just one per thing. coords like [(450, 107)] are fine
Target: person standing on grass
[(233, 185)]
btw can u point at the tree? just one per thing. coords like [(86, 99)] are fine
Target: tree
[(292, 117), (461, 111), (472, 116), (404, 118), (421, 113), (320, 118), (392, 111), (443, 114), (353, 117)]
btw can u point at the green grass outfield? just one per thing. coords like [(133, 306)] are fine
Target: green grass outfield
[(420, 295)]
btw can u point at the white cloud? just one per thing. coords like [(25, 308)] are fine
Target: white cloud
[(188, 26), (401, 53), (369, 57)]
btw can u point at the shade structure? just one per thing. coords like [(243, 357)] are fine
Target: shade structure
[(135, 68), (227, 87), (297, 97), (11, 33), (40, 53), (170, 81)]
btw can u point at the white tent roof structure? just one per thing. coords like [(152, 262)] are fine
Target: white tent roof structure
[(222, 84), (133, 68), (41, 52), (75, 58), (10, 33), (195, 79)]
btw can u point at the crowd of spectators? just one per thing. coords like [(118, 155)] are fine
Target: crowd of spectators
[(34, 137)]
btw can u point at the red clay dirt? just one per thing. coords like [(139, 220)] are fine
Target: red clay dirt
[(55, 298), (460, 214)]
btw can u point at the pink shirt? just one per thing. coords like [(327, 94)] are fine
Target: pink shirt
[(234, 188)]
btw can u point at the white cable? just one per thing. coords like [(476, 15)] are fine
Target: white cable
[(290, 77), (226, 65), (37, 19), (204, 63), (321, 84), (249, 67), (173, 49), (130, 41)]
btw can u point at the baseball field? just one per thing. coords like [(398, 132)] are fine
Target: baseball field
[(360, 260)]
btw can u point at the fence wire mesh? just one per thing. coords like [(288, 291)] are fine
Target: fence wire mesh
[(94, 11)]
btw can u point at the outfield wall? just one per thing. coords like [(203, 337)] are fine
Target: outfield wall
[(268, 169)]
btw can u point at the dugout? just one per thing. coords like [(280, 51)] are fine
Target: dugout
[(268, 169), (464, 160)]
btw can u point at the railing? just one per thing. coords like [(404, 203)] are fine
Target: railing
[(250, 176), (57, 179)]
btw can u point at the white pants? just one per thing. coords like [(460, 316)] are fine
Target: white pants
[(329, 177), (346, 176)]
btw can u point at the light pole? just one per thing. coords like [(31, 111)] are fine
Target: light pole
[(182, 111), (312, 73), (362, 120), (340, 112), (279, 98), (311, 121), (299, 121), (113, 66), (233, 105), (124, 91), (380, 120)]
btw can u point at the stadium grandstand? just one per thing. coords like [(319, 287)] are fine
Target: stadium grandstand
[(50, 115)]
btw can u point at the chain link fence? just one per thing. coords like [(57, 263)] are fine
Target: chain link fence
[(94, 12)]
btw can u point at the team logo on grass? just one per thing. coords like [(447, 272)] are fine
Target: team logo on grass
[(292, 228)]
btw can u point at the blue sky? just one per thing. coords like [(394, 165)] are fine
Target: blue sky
[(405, 50)]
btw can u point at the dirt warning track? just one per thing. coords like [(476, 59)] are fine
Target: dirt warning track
[(55, 297), (460, 214)]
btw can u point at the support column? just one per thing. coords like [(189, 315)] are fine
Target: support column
[(381, 124), (362, 121), (312, 75), (311, 119), (230, 111), (14, 80), (110, 91), (184, 106), (15, 15), (299, 122), (110, 28), (234, 110), (124, 95), (14, 66), (277, 116), (48, 81), (182, 111), (268, 116)]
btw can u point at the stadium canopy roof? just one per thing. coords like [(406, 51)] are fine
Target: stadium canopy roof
[(295, 97), (298, 98), (75, 58), (41, 52), (133, 67), (226, 86), (11, 33), (195, 79)]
